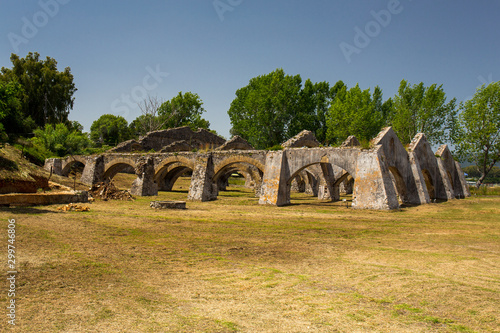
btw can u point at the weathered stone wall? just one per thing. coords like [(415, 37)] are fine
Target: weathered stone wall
[(201, 139)]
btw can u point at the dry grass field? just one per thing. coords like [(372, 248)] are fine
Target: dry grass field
[(232, 265)]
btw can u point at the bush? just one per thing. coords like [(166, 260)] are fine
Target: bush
[(60, 141), (275, 147)]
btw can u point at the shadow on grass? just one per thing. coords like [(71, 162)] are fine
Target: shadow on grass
[(7, 164), (24, 210)]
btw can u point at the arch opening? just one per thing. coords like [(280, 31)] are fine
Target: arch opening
[(323, 180), (399, 185), (167, 176), (73, 168), (429, 184), (226, 179), (121, 173)]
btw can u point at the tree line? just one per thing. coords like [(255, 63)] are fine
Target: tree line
[(37, 98)]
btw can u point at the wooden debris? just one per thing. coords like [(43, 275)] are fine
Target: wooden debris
[(108, 191)]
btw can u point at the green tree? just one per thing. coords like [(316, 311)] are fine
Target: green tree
[(477, 137), (263, 110), (109, 130), (182, 110), (47, 93), (60, 140), (420, 109), (354, 112), (12, 121), (314, 102)]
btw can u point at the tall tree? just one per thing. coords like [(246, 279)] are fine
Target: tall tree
[(478, 135), (12, 121), (420, 109), (183, 110), (109, 130), (354, 112), (47, 92), (314, 101), (262, 111)]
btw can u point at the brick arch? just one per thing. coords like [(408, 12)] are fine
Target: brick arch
[(116, 165), (70, 161)]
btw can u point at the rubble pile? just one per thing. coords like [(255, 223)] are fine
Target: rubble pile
[(108, 191)]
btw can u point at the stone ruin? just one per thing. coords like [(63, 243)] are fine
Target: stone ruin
[(385, 176), (171, 140)]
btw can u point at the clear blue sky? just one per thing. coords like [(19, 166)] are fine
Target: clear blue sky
[(213, 48)]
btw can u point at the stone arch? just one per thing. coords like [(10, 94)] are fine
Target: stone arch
[(248, 167), (170, 169), (235, 160), (70, 162), (326, 176), (116, 165), (175, 159)]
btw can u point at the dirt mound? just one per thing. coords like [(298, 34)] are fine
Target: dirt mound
[(17, 175), (108, 191)]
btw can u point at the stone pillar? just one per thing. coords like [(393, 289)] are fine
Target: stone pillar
[(422, 195), (275, 190), (448, 188), (94, 170), (144, 185), (373, 187), (326, 189), (55, 164), (202, 187), (462, 181)]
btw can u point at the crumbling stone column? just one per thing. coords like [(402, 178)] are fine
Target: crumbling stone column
[(202, 187), (446, 181), (373, 188), (422, 195), (275, 190), (326, 188), (54, 164), (93, 172), (144, 185), (462, 181)]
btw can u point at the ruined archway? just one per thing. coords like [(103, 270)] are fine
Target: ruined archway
[(249, 168), (116, 166), (170, 170)]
